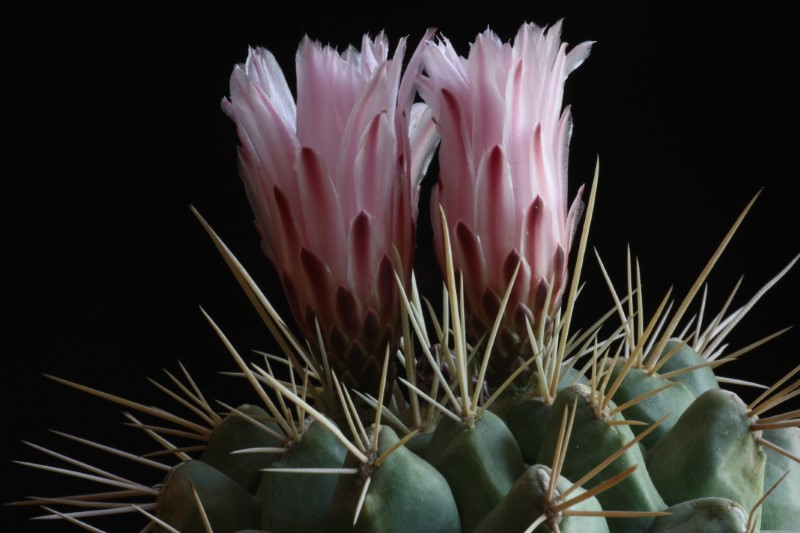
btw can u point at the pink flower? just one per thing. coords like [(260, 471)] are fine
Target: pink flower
[(503, 172), (334, 183)]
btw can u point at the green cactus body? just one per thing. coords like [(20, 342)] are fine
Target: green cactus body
[(591, 441), (419, 443), (710, 451), (301, 502), (782, 508), (698, 380), (405, 494), (673, 401), (229, 507), (706, 515), (526, 502), (527, 421), (237, 433), (480, 464), (527, 418)]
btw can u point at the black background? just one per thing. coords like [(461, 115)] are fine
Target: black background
[(116, 129)]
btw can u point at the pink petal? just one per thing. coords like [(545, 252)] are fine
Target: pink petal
[(327, 89), (518, 131), (490, 305), (523, 282), (496, 221), (262, 69), (424, 138), (318, 288), (372, 102), (285, 233), (470, 258), (486, 97), (407, 89), (559, 262), (262, 131), (363, 253), (347, 311), (324, 225), (376, 172), (386, 290), (577, 55), (455, 161), (537, 241), (573, 219), (371, 328)]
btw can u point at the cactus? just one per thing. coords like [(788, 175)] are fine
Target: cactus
[(626, 430)]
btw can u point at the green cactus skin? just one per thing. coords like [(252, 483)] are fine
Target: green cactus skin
[(301, 502), (704, 515), (405, 494), (591, 441), (527, 419), (781, 510), (673, 401), (525, 503), (710, 451), (698, 380), (419, 443), (527, 422), (480, 464), (227, 504), (237, 433)]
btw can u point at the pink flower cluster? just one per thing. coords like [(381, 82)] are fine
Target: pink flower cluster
[(333, 178), (503, 174)]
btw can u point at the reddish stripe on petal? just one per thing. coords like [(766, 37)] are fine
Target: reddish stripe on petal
[(337, 343), (472, 262), (521, 315), (559, 277), (286, 236), (519, 293), (259, 194), (386, 290), (436, 222), (532, 231), (364, 369), (362, 256), (496, 221), (491, 305), (347, 311), (539, 297), (403, 234), (324, 230), (509, 265), (455, 161), (371, 328), (319, 287), (291, 295)]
